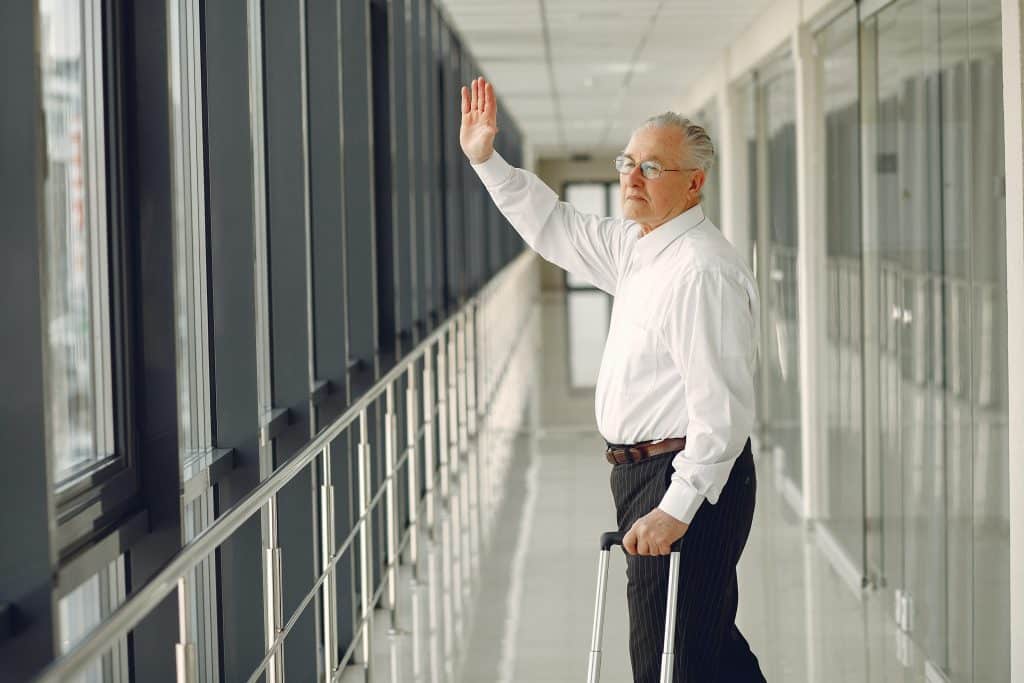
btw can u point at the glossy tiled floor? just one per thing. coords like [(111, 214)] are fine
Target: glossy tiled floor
[(525, 612)]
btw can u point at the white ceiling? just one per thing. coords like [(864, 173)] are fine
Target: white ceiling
[(580, 75)]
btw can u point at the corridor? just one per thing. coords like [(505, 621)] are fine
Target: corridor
[(531, 602), (290, 396)]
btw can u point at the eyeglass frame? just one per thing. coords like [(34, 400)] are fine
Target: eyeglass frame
[(647, 165)]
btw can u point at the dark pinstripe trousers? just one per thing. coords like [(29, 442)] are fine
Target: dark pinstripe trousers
[(709, 648)]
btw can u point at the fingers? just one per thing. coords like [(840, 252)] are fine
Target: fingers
[(640, 540), (479, 96), (490, 105)]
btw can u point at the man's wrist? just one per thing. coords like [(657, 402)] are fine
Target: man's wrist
[(476, 161), (681, 502), (493, 171)]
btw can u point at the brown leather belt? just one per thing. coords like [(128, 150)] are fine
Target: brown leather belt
[(621, 455)]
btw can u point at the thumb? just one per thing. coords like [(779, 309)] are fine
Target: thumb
[(629, 542)]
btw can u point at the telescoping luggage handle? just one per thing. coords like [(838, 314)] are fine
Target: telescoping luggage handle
[(609, 539)]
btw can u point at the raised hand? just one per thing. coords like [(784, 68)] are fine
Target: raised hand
[(479, 121)]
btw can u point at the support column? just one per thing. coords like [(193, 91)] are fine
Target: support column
[(811, 274), (732, 159), (1013, 118)]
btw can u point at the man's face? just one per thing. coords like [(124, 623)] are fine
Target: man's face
[(652, 202)]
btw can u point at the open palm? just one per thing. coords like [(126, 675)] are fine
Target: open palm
[(479, 121)]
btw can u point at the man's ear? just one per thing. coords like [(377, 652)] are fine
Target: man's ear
[(697, 181)]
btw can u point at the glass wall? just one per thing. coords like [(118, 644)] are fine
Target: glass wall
[(980, 508), (841, 479), (937, 241), (777, 240), (912, 208), (746, 101)]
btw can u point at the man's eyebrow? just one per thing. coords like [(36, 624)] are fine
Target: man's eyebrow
[(653, 158), (633, 157)]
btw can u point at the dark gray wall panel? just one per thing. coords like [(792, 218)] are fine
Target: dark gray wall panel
[(25, 567), (358, 175), (286, 174), (233, 324), (326, 202), (149, 214)]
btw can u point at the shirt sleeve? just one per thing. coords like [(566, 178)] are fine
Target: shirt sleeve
[(711, 335), (589, 247)]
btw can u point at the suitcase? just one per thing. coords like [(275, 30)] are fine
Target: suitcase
[(608, 539)]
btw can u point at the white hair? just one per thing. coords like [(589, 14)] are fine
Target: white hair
[(696, 140)]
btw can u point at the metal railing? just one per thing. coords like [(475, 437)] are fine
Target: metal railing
[(450, 379)]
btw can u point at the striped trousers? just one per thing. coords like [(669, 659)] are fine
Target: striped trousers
[(709, 648)]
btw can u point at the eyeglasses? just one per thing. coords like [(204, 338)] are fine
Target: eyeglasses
[(649, 169)]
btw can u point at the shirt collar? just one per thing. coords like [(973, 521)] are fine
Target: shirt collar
[(654, 242)]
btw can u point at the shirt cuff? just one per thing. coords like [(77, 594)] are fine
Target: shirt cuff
[(493, 172), (681, 501)]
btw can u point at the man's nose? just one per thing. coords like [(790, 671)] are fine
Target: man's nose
[(636, 176)]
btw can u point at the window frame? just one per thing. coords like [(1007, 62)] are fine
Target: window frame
[(92, 501)]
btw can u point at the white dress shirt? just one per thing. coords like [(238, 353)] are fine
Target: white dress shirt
[(682, 344)]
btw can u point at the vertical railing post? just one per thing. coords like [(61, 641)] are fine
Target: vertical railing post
[(481, 371), (442, 415), (391, 516), (462, 447), (460, 378), (327, 546), (185, 649), (471, 430), (443, 419), (412, 443), (454, 501), (272, 593), (471, 375), (429, 409), (365, 543), (453, 399)]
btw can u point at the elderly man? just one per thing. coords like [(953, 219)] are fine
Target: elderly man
[(675, 393)]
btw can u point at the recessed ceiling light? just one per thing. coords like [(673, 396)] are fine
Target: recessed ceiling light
[(625, 67)]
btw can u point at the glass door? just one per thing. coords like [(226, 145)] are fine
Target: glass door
[(911, 319), (934, 257), (777, 275), (841, 473)]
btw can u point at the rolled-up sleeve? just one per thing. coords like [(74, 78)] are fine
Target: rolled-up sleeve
[(590, 247), (711, 334)]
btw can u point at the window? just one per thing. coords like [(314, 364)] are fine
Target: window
[(601, 199), (84, 311), (84, 256), (588, 309), (77, 311), (86, 607)]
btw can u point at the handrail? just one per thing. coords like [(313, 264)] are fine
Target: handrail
[(138, 605)]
